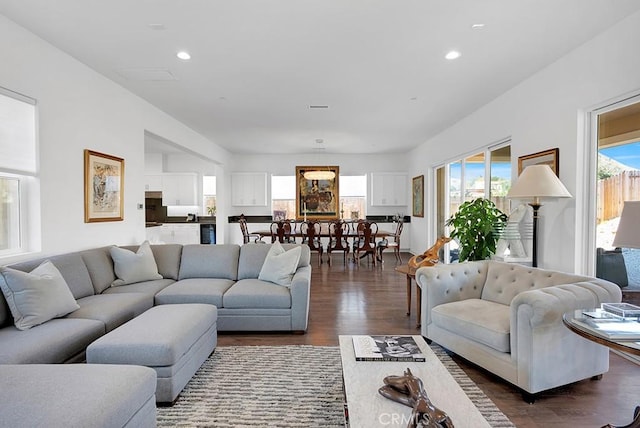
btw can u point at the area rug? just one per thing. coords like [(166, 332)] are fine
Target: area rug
[(282, 386)]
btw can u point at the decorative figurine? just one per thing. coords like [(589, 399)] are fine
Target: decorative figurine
[(409, 390), (429, 257)]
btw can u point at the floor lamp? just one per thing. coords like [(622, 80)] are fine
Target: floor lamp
[(628, 233), (537, 181)]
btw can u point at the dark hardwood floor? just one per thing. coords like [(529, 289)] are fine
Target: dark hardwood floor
[(365, 299)]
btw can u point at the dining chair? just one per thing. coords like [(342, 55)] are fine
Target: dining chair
[(281, 232), (338, 233), (364, 242), (392, 241), (310, 231), (246, 236)]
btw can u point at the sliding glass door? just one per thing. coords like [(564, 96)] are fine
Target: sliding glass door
[(617, 181), (464, 180)]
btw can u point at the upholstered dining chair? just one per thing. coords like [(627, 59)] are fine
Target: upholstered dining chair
[(392, 241), (338, 233), (310, 231), (246, 236), (364, 243)]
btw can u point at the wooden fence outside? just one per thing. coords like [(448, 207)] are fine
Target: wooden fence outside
[(613, 191)]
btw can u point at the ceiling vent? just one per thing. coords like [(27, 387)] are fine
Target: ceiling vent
[(146, 74), (316, 106)]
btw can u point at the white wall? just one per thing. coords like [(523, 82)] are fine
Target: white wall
[(80, 109), (543, 112)]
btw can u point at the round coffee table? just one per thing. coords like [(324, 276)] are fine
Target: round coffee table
[(574, 320)]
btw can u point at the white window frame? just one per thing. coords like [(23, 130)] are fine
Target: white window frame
[(447, 177)]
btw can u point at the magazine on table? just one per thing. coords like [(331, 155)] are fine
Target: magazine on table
[(615, 329), (386, 348)]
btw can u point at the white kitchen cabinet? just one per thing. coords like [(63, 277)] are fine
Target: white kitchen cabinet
[(180, 233), (153, 183), (388, 189), (249, 189), (179, 189)]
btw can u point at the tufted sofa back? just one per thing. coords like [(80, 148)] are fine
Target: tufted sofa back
[(506, 280)]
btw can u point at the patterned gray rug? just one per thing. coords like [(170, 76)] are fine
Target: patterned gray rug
[(282, 386)]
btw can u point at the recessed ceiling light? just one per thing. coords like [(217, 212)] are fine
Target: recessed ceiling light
[(452, 55), (183, 55), (157, 26), (477, 26)]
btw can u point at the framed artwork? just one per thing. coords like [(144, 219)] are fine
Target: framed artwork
[(546, 157), (103, 187), (417, 192), (317, 199)]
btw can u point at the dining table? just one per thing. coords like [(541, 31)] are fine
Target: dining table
[(324, 233)]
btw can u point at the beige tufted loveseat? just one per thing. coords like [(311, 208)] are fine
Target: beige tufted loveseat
[(507, 318)]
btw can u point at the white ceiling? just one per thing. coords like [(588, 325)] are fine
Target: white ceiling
[(258, 65)]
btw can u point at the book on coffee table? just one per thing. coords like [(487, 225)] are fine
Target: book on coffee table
[(386, 348), (615, 329)]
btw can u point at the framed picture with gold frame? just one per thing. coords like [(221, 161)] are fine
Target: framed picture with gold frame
[(417, 196), (103, 187), (546, 157), (317, 192)]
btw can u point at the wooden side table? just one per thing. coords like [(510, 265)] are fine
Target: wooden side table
[(411, 276)]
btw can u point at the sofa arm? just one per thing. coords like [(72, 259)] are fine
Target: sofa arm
[(300, 293), (449, 283), (537, 333), (545, 306)]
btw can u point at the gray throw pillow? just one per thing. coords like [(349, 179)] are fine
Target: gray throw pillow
[(38, 296), (280, 265), (133, 267)]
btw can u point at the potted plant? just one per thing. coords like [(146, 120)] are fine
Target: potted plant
[(476, 227)]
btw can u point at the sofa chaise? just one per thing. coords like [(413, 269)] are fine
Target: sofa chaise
[(507, 318)]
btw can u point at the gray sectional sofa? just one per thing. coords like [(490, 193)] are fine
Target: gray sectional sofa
[(223, 275), (37, 391)]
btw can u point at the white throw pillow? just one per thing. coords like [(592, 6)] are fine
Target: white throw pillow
[(38, 296), (133, 267), (280, 265)]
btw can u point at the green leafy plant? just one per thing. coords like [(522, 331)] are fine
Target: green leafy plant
[(476, 227)]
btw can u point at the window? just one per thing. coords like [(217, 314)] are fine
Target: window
[(283, 197), (209, 194), (465, 179), (353, 196), (353, 190), (18, 172), (474, 182), (500, 171), (617, 181)]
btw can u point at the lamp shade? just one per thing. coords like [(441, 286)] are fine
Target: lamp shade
[(538, 181), (628, 234)]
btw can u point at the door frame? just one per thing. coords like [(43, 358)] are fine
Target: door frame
[(585, 259)]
